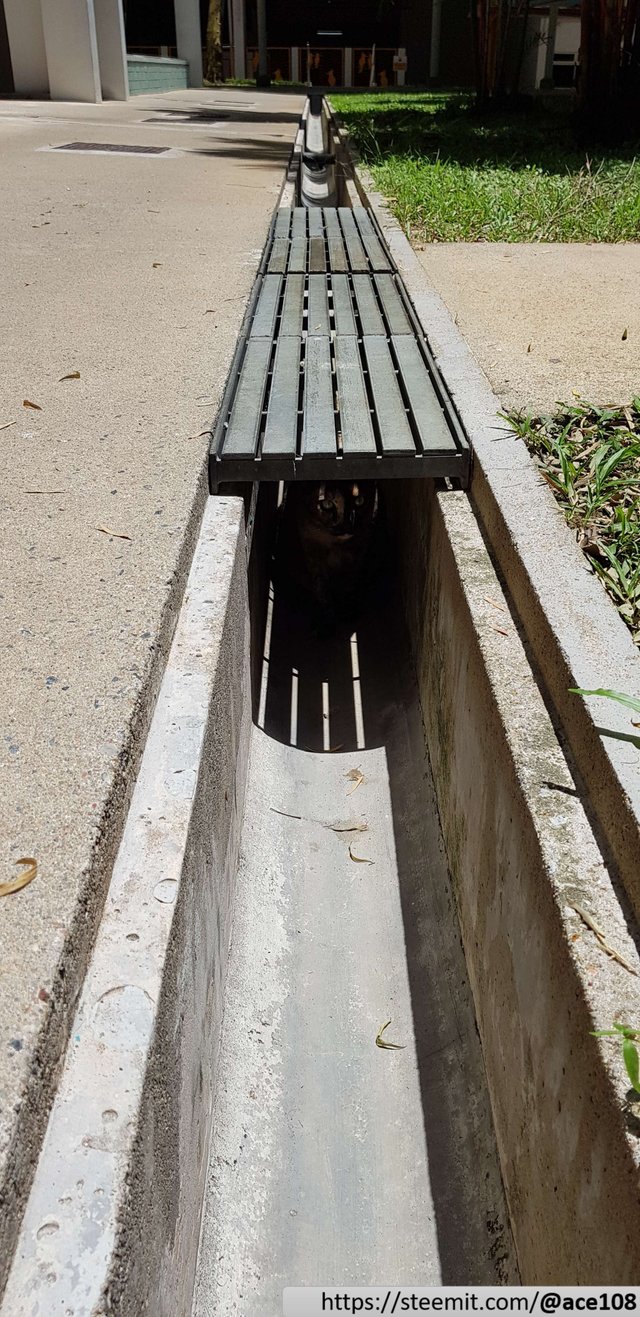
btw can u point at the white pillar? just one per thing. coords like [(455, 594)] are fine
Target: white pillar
[(112, 49), (26, 46), (189, 37), (72, 50)]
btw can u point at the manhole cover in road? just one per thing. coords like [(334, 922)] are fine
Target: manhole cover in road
[(113, 147)]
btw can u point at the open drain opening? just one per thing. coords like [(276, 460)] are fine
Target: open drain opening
[(323, 632), (346, 1161)]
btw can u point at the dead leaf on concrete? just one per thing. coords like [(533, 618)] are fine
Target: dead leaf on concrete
[(354, 775), (74, 375), (625, 334), (389, 1047), (15, 884), (33, 405), (359, 859), (117, 534), (284, 814), (7, 424), (501, 631), (347, 827), (494, 603), (157, 264), (45, 491)]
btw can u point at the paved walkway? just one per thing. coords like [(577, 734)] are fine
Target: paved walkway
[(546, 319), (133, 271)]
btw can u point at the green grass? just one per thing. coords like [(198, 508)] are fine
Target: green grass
[(590, 456), (453, 175)]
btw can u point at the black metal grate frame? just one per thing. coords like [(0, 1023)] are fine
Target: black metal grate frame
[(332, 376)]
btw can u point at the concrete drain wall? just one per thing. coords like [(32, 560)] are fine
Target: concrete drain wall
[(521, 852)]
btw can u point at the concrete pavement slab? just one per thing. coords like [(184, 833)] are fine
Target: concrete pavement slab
[(129, 273), (546, 319)]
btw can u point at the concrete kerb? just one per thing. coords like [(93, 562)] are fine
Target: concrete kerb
[(112, 1220), (575, 635), (24, 1148)]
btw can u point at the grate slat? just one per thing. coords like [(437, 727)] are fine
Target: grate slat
[(371, 320), (395, 430), (246, 414), (318, 305), (395, 314), (282, 412), (264, 320), (357, 255), (435, 434), (319, 425), (293, 306), (342, 306), (353, 404)]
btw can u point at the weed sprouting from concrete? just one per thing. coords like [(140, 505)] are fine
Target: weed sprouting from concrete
[(627, 1037)]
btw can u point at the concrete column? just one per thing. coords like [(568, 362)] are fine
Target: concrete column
[(189, 37), (238, 39), (112, 49), (26, 45), (72, 50)]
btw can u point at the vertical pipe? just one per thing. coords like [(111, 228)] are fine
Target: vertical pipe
[(551, 44), (238, 39), (262, 79)]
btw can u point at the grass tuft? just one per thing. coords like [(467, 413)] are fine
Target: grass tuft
[(590, 456), (453, 175)]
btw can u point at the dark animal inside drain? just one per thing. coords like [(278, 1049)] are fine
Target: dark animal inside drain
[(329, 559)]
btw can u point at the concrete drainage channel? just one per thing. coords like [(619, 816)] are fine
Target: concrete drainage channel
[(395, 835)]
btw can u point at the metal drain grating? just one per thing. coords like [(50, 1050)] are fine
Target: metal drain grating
[(333, 377), (113, 147)]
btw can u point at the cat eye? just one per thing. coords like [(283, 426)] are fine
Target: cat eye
[(359, 500)]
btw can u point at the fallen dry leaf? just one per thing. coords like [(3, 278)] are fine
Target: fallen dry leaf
[(494, 603), (625, 334), (284, 814), (33, 405), (75, 375), (7, 424), (347, 827), (15, 884), (390, 1047), (501, 631), (359, 859), (157, 264), (118, 535), (354, 775)]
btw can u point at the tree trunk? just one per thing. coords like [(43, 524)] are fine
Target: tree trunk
[(609, 73), (213, 58)]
